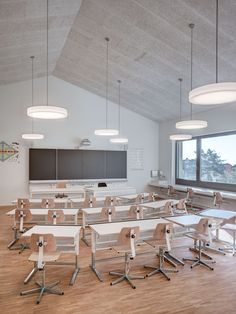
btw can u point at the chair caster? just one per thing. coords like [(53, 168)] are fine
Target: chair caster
[(37, 302), (62, 293), (134, 287)]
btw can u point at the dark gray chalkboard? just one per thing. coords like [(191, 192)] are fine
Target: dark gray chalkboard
[(42, 164), (69, 164)]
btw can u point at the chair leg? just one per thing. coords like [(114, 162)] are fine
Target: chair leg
[(160, 268), (198, 260), (42, 288), (125, 275)]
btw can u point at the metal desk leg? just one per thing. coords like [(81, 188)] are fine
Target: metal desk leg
[(76, 271), (31, 274), (15, 239), (94, 269), (196, 250), (174, 258), (93, 262)]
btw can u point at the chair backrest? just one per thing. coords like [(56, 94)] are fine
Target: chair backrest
[(61, 185), (168, 209), (102, 184), (47, 203), (162, 234), (190, 194), (135, 212), (41, 244), (217, 199), (182, 205), (203, 227), (139, 198), (89, 202), (23, 203), (151, 196), (108, 213), (22, 215), (56, 216), (111, 201), (171, 190), (127, 234)]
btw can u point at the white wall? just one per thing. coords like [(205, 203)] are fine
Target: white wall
[(86, 113), (220, 119)]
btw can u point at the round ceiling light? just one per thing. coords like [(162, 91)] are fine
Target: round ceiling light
[(191, 124), (119, 140), (32, 136), (180, 137), (213, 94), (47, 112), (106, 132)]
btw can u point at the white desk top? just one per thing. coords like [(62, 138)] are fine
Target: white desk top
[(231, 227), (57, 190), (218, 213), (44, 211), (158, 204), (39, 200), (185, 220), (81, 199), (115, 228), (57, 231), (132, 196), (97, 210)]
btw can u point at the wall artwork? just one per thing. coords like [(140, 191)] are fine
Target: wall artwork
[(9, 152)]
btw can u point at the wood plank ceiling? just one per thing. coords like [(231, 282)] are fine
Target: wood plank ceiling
[(149, 47)]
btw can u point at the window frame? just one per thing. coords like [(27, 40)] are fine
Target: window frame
[(198, 182)]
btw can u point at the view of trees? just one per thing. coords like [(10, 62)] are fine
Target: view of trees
[(213, 168)]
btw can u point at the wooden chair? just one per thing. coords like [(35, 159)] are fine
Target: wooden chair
[(22, 216), (44, 250), (202, 234), (139, 199), (23, 203), (180, 208), (47, 203), (61, 185), (171, 191), (108, 214), (56, 216), (135, 212), (126, 244), (161, 242), (89, 202), (217, 199), (151, 197), (111, 201)]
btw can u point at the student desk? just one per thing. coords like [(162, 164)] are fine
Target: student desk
[(67, 240), (64, 201), (221, 215), (105, 235), (39, 216), (132, 197), (152, 207)]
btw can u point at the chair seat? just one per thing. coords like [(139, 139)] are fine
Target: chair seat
[(197, 236), (48, 257)]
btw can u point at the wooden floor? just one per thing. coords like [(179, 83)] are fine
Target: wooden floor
[(195, 291)]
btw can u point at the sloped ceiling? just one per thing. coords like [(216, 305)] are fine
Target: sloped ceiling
[(149, 47)]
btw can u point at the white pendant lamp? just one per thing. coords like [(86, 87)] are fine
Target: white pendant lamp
[(180, 137), (217, 93), (46, 111), (106, 131), (191, 124), (119, 140), (32, 136)]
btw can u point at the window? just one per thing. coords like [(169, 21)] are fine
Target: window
[(207, 161), (187, 160)]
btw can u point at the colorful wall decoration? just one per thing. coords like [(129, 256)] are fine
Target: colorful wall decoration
[(9, 152)]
